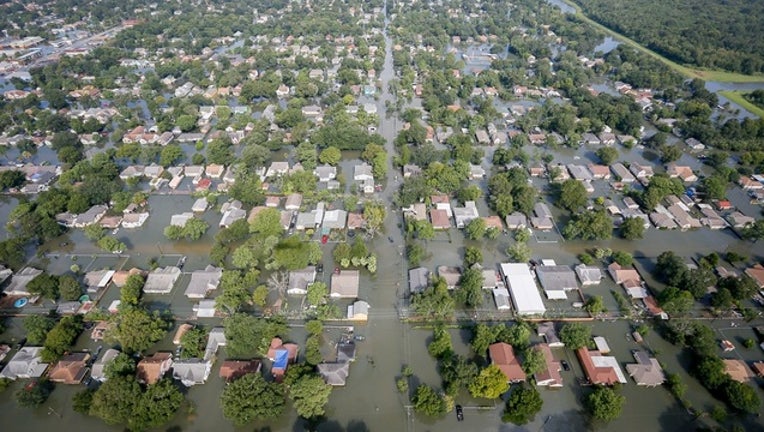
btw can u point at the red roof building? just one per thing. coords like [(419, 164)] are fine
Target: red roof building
[(503, 356)]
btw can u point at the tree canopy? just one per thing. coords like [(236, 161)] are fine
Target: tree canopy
[(310, 395), (604, 404), (251, 398), (490, 383), (522, 406)]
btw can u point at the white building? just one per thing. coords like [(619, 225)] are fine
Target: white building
[(522, 289)]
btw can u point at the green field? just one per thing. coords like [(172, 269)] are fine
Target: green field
[(707, 75), (737, 98)]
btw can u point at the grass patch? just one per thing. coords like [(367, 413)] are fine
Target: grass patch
[(707, 75), (736, 97)]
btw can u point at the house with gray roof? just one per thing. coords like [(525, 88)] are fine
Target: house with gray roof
[(579, 172), (325, 173), (293, 201), (27, 363), (180, 220), (621, 172), (419, 280), (547, 331), (98, 280), (199, 205), (191, 372), (556, 281), (20, 280), (215, 340), (647, 372), (231, 215), (346, 352), (588, 275), (203, 282), (98, 371), (334, 374), (335, 219), (299, 280), (466, 214), (516, 221), (161, 280), (91, 216)]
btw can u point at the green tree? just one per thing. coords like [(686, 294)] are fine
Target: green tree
[(482, 337), (374, 213), (82, 400), (519, 252), (632, 228), (69, 288), (490, 383), (247, 335), (45, 285), (475, 229), (522, 406), (594, 305), (195, 228), (441, 345), (116, 400), (61, 337), (123, 365), (604, 404), (472, 255), (313, 350), (94, 232), (157, 405), (330, 156), (624, 259), (575, 335), (533, 361), (136, 329), (130, 293), (37, 328), (471, 287), (267, 223), (318, 292), (251, 398), (428, 402), (607, 155), (314, 327), (572, 195), (310, 395), (34, 394), (742, 397), (171, 154), (260, 296), (589, 225), (435, 303), (194, 342)]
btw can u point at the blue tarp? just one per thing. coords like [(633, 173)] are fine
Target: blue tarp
[(281, 359)]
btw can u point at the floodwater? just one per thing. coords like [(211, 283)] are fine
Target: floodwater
[(370, 400)]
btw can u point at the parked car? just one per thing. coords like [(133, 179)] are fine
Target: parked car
[(565, 365), (459, 413)]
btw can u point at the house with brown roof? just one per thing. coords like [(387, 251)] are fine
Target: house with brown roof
[(232, 370), (757, 274), (599, 171), (503, 356), (71, 369), (451, 275), (493, 222), (682, 172), (152, 369), (629, 279), (737, 370), (345, 284), (355, 221), (599, 369), (758, 367), (549, 375), (440, 219)]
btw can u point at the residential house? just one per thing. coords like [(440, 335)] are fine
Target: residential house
[(281, 355), (501, 298), (180, 220), (312, 112), (134, 220), (599, 172), (98, 280), (503, 356), (464, 215), (482, 137), (346, 351), (232, 213), (70, 369), (682, 218), (641, 172), (195, 172), (440, 219), (132, 171), (416, 211), (629, 279), (547, 331), (543, 218), (750, 184), (345, 284), (477, 172), (579, 172), (756, 272), (205, 308), (522, 288), (215, 340), (737, 370), (191, 371), (556, 281), (335, 219), (203, 282), (299, 280), (590, 139), (516, 221), (98, 371), (451, 275), (214, 171), (411, 170), (739, 220), (334, 374), (588, 275), (356, 221), (682, 172), (358, 311), (20, 280), (621, 173), (325, 173), (549, 375), (419, 280), (153, 171), (161, 280), (231, 370), (646, 371), (599, 369), (91, 216), (607, 138), (277, 168), (199, 205), (27, 363), (293, 201), (151, 369)]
